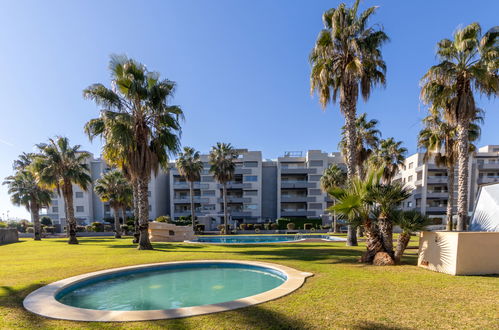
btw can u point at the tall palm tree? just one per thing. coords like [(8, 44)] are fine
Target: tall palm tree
[(25, 190), (367, 140), (468, 65), (386, 197), (139, 128), (389, 155), (58, 166), (116, 190), (346, 60), (410, 222), (438, 140), (190, 166), (223, 167), (333, 177)]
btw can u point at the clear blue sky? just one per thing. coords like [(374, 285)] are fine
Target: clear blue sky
[(241, 67)]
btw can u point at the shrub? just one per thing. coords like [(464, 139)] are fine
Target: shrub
[(108, 228), (49, 229), (46, 221), (274, 226), (243, 226), (30, 230), (290, 226), (3, 224), (97, 227), (258, 226), (163, 218), (88, 228), (266, 226), (130, 222), (299, 222), (199, 228), (250, 226), (307, 226), (80, 229)]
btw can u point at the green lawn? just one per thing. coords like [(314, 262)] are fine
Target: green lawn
[(342, 294)]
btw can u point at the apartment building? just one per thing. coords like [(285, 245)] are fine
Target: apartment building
[(429, 183)]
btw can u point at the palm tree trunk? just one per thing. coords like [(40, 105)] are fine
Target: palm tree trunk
[(386, 232), (117, 228), (136, 211), (462, 177), (402, 243), (123, 216), (225, 207), (373, 242), (70, 215), (35, 216), (144, 242), (450, 198), (193, 214), (352, 236)]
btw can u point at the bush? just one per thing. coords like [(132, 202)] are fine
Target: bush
[(307, 226), (30, 230), (46, 221), (266, 226), (81, 229), (108, 228), (48, 229), (88, 228), (243, 226), (299, 222), (97, 227), (250, 226), (291, 226), (124, 228), (199, 228), (3, 224), (130, 222), (258, 226), (163, 218), (274, 226)]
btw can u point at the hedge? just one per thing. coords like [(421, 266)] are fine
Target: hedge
[(282, 223)]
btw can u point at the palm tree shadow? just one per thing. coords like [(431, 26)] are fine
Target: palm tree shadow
[(369, 325), (12, 299)]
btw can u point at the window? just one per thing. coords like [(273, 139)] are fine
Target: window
[(148, 193), (79, 194), (250, 193), (316, 163), (54, 202), (315, 206), (207, 178), (80, 209), (251, 164), (313, 178), (411, 165), (208, 207), (409, 179), (208, 192), (55, 209), (409, 204), (250, 178), (107, 208), (250, 206)]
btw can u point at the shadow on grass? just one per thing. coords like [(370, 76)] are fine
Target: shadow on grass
[(368, 325), (11, 298)]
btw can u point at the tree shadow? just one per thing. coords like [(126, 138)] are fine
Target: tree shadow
[(11, 298), (369, 325)]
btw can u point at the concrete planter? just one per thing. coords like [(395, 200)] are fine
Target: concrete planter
[(8, 235), (167, 232), (460, 253)]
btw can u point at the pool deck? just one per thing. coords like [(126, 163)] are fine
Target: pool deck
[(42, 301)]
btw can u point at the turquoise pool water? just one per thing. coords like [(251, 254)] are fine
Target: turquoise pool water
[(238, 239), (172, 286)]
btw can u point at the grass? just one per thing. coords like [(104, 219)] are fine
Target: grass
[(342, 294)]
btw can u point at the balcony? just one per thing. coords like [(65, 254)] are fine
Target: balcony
[(436, 209), (488, 166), (296, 199), (242, 171), (296, 213), (234, 199), (185, 185), (187, 199), (437, 179), (236, 185), (297, 184), (486, 180), (298, 170)]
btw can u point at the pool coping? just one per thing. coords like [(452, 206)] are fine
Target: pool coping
[(42, 301), (339, 239)]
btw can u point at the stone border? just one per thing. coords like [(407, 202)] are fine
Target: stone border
[(218, 243), (42, 301)]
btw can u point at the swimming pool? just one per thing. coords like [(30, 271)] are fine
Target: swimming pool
[(252, 239), (161, 291)]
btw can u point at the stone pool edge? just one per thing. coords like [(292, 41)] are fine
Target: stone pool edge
[(42, 301)]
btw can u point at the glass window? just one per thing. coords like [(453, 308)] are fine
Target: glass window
[(55, 209), (316, 163), (79, 194), (208, 192), (409, 179), (250, 178), (411, 165), (250, 206), (54, 202), (80, 209)]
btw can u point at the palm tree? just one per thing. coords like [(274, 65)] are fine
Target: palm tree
[(389, 155), (346, 60), (468, 65), (386, 197), (223, 167), (116, 190), (367, 140), (352, 205), (59, 166), (190, 166), (333, 177), (410, 222), (139, 128), (438, 140), (25, 190)]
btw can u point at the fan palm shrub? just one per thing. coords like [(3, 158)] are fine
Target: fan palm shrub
[(332, 177), (114, 189), (468, 66), (59, 166), (410, 222), (139, 127), (223, 167), (190, 166)]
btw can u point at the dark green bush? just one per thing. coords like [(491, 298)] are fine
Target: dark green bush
[(308, 226), (80, 229), (48, 229), (97, 227), (199, 228), (299, 222), (46, 221), (258, 226), (250, 226), (108, 228), (274, 226), (30, 230)]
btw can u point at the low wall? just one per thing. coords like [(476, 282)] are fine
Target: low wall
[(8, 235), (459, 253), (167, 232)]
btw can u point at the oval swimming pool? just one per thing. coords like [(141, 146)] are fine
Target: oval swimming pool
[(243, 239), (163, 291)]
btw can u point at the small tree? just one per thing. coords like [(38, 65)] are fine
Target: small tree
[(410, 222), (46, 221)]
